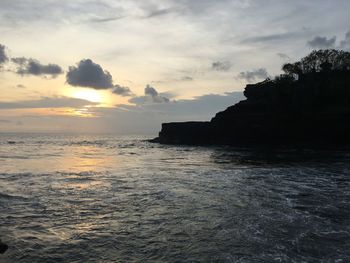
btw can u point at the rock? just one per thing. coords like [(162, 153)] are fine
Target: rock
[(184, 133), (312, 110), (3, 247)]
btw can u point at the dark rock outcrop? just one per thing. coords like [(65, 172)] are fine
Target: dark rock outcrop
[(302, 107), (3, 247)]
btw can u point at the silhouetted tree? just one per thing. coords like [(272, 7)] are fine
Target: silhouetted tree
[(318, 60), (293, 68)]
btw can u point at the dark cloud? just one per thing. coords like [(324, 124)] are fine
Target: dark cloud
[(161, 12), (151, 96), (20, 60), (283, 56), (29, 66), (345, 44), (106, 19), (322, 42), (221, 65), (269, 38), (122, 91), (89, 74), (47, 102), (3, 56), (154, 9), (151, 91), (254, 75)]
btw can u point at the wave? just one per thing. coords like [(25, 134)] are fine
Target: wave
[(11, 197)]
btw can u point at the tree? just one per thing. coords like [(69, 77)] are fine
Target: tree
[(293, 68), (318, 60)]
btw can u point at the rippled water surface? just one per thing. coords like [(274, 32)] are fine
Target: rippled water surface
[(70, 198)]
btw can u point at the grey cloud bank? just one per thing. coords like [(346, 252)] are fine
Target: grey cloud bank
[(124, 119), (147, 118)]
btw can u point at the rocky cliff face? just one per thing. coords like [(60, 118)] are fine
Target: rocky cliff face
[(311, 108)]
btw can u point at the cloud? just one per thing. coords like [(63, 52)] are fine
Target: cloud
[(160, 99), (106, 19), (322, 42), (161, 12), (47, 102), (29, 66), (284, 56), (221, 65), (253, 75), (122, 91), (3, 56), (59, 13), (269, 38), (89, 74), (151, 96), (345, 44), (151, 91), (186, 78)]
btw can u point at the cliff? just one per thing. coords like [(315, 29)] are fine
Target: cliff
[(310, 104)]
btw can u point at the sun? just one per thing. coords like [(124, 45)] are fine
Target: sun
[(90, 95), (100, 98)]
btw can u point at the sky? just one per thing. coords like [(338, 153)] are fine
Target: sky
[(126, 66)]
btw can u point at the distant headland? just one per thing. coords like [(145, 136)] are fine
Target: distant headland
[(307, 105)]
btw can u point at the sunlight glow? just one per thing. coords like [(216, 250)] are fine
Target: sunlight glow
[(87, 94)]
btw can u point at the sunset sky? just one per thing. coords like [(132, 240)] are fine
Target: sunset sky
[(126, 66)]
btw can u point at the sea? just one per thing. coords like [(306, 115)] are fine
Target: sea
[(110, 198)]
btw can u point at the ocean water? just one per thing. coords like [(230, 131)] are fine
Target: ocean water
[(105, 198)]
